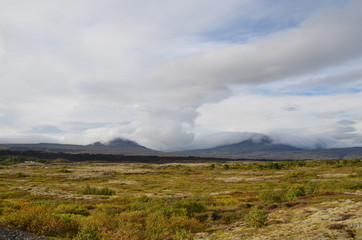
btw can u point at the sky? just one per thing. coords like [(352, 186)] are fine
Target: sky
[(175, 75)]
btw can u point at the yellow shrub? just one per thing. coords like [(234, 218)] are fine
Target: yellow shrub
[(224, 200), (38, 220), (190, 224)]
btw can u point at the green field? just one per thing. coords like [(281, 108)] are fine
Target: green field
[(232, 200)]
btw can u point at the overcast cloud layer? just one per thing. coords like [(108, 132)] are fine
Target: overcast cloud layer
[(181, 74)]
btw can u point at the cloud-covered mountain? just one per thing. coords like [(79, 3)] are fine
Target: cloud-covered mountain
[(260, 146), (247, 146), (256, 146), (251, 147), (119, 146), (298, 141)]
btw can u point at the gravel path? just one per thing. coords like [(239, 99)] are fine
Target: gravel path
[(11, 234)]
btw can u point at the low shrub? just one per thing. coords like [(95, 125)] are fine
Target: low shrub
[(88, 232), (288, 193), (224, 200), (157, 226), (357, 174), (40, 221), (101, 221), (64, 170), (72, 209), (310, 188), (192, 207), (91, 190), (299, 174), (294, 192), (273, 165), (182, 234), (211, 167), (21, 175), (185, 223), (272, 196), (139, 225), (168, 206), (11, 160), (256, 217), (350, 185), (228, 217), (147, 225)]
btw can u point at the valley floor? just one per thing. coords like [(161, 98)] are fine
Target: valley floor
[(231, 200)]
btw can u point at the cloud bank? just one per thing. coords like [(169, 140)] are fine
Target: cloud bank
[(172, 75)]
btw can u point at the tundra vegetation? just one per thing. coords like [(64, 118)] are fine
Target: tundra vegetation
[(233, 200)]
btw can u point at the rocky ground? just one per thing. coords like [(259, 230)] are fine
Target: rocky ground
[(340, 220), (11, 234)]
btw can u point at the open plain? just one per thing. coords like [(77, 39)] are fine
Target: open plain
[(230, 200)]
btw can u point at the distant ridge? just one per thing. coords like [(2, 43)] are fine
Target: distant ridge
[(265, 148), (119, 146), (116, 146), (262, 148), (249, 146)]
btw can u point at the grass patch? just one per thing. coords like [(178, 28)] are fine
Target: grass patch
[(91, 190)]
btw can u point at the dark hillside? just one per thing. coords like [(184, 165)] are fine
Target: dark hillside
[(89, 157), (117, 146), (266, 149)]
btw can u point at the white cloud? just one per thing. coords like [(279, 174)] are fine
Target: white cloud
[(322, 41), (157, 72), (266, 113)]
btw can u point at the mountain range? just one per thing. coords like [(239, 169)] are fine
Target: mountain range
[(117, 146), (263, 148), (266, 148)]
